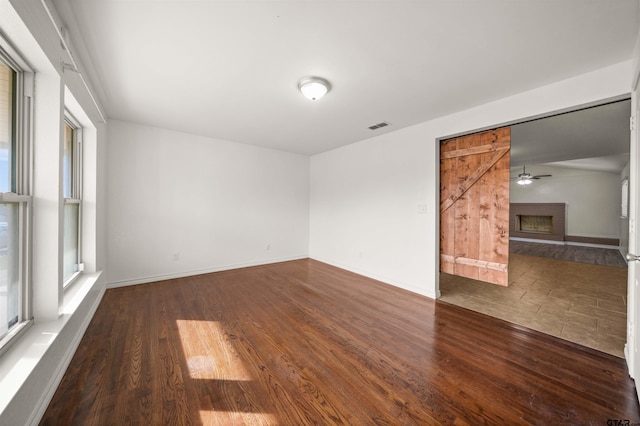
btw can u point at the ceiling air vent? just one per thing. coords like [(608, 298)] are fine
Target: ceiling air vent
[(377, 126)]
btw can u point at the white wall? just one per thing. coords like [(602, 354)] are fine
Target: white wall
[(592, 198), (215, 204), (364, 197)]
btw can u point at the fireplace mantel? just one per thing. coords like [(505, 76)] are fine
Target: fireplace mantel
[(553, 229)]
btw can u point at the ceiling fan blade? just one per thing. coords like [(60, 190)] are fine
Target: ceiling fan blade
[(539, 176)]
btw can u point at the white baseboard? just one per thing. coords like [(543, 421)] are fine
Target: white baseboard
[(183, 274)]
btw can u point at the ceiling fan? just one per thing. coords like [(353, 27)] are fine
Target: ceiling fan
[(525, 178)]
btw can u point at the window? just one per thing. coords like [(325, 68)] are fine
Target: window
[(14, 201), (71, 184)]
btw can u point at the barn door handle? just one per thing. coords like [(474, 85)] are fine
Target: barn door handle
[(631, 257)]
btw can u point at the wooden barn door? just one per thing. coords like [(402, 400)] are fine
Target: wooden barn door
[(474, 206)]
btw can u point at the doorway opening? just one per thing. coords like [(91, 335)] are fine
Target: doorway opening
[(566, 271)]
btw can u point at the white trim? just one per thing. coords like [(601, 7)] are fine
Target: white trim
[(631, 354), (74, 64), (56, 377), (11, 197), (73, 278), (24, 364), (13, 57), (13, 335), (171, 276)]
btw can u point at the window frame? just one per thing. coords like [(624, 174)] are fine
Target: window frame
[(76, 189), (21, 185)]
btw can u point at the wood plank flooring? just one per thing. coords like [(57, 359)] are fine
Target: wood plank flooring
[(302, 342)]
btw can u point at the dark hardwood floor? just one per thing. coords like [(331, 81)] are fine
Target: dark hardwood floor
[(305, 343)]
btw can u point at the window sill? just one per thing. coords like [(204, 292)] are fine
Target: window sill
[(14, 336), (23, 361), (69, 283)]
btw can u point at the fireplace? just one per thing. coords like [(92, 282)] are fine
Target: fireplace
[(543, 221), (534, 223)]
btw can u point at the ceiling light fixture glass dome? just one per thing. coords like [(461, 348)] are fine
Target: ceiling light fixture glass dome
[(313, 88)]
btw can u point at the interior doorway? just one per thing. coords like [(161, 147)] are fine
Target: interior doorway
[(580, 297)]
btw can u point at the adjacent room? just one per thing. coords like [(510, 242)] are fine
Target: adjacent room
[(227, 212), (566, 205)]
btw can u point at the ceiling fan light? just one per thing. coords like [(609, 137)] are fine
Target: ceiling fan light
[(524, 181), (314, 88)]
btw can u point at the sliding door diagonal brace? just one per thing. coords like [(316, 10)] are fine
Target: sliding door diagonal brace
[(472, 179)]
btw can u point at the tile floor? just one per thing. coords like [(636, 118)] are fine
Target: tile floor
[(579, 302)]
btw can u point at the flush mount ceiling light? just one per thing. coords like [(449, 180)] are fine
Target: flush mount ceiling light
[(313, 87)]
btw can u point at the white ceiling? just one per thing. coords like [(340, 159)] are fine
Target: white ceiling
[(229, 69), (608, 163), (593, 139)]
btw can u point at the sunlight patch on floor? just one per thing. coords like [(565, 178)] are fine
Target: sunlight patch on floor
[(226, 418), (209, 353)]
